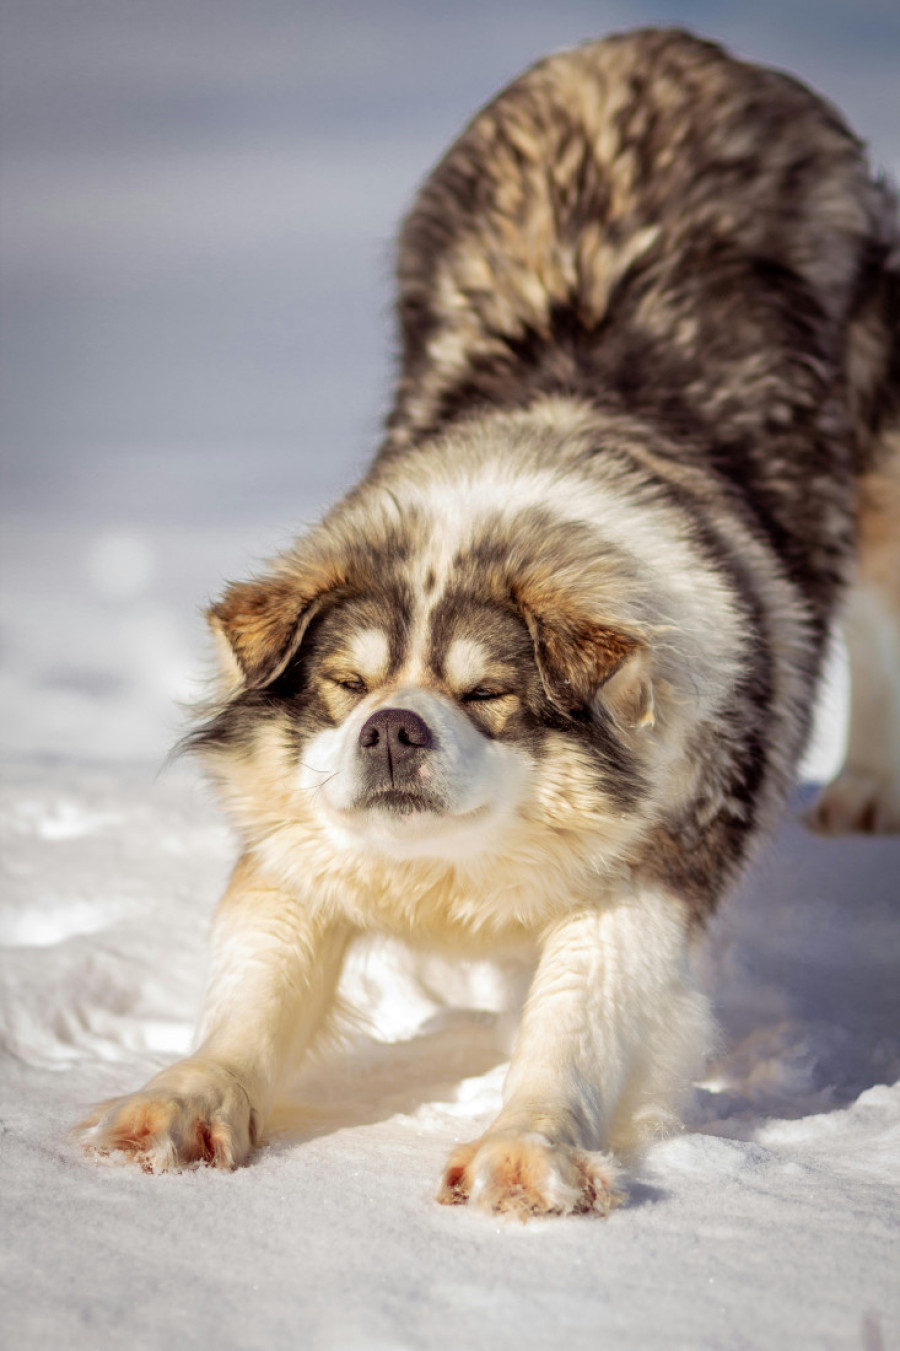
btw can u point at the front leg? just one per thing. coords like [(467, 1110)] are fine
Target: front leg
[(611, 1031), (274, 973)]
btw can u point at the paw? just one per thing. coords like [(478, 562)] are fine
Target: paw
[(187, 1116), (523, 1175), (857, 802)]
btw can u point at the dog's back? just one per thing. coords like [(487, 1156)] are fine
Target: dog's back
[(660, 229)]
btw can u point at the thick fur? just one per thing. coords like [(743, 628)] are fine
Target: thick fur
[(541, 681)]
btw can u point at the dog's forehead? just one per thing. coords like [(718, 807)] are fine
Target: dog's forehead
[(464, 636), (435, 612), (367, 633)]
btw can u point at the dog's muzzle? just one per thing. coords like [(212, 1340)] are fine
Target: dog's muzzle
[(395, 746)]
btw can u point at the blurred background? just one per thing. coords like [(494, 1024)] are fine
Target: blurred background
[(198, 204)]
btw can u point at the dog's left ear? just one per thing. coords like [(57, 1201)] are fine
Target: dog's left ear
[(259, 625), (582, 662)]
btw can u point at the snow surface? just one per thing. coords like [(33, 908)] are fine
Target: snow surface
[(197, 201), (771, 1222)]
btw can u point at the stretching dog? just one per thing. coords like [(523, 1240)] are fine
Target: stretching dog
[(543, 678)]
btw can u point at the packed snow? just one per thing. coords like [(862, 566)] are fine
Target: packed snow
[(197, 203)]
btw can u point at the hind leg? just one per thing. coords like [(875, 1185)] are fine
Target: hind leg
[(865, 795)]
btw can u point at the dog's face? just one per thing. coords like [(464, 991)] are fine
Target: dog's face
[(419, 739), (417, 711)]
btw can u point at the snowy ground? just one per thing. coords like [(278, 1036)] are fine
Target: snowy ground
[(198, 197), (772, 1222)]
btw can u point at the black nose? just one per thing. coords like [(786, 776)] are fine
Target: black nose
[(396, 733)]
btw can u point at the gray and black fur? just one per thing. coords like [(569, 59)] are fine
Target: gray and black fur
[(709, 260)]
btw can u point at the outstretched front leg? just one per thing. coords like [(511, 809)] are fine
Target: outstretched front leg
[(610, 1033), (274, 973)]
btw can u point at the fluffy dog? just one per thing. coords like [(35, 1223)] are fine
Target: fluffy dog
[(543, 678)]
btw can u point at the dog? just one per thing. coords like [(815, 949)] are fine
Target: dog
[(541, 681)]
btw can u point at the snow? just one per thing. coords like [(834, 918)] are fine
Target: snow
[(770, 1222), (197, 203)]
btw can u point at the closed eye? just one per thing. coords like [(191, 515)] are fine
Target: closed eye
[(355, 684), (482, 693)]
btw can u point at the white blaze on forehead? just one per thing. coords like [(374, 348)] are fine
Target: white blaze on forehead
[(465, 664), (369, 652)]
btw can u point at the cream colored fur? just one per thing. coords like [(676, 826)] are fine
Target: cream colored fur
[(611, 1029), (611, 1023), (528, 852)]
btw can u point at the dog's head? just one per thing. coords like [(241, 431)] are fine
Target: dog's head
[(421, 687)]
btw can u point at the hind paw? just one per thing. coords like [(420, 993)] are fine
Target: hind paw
[(856, 801)]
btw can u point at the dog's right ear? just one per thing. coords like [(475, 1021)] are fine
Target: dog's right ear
[(259, 625)]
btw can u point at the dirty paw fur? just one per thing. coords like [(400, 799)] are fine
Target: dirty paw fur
[(526, 1176)]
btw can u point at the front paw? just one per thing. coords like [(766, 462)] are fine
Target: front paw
[(192, 1114), (524, 1175)]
